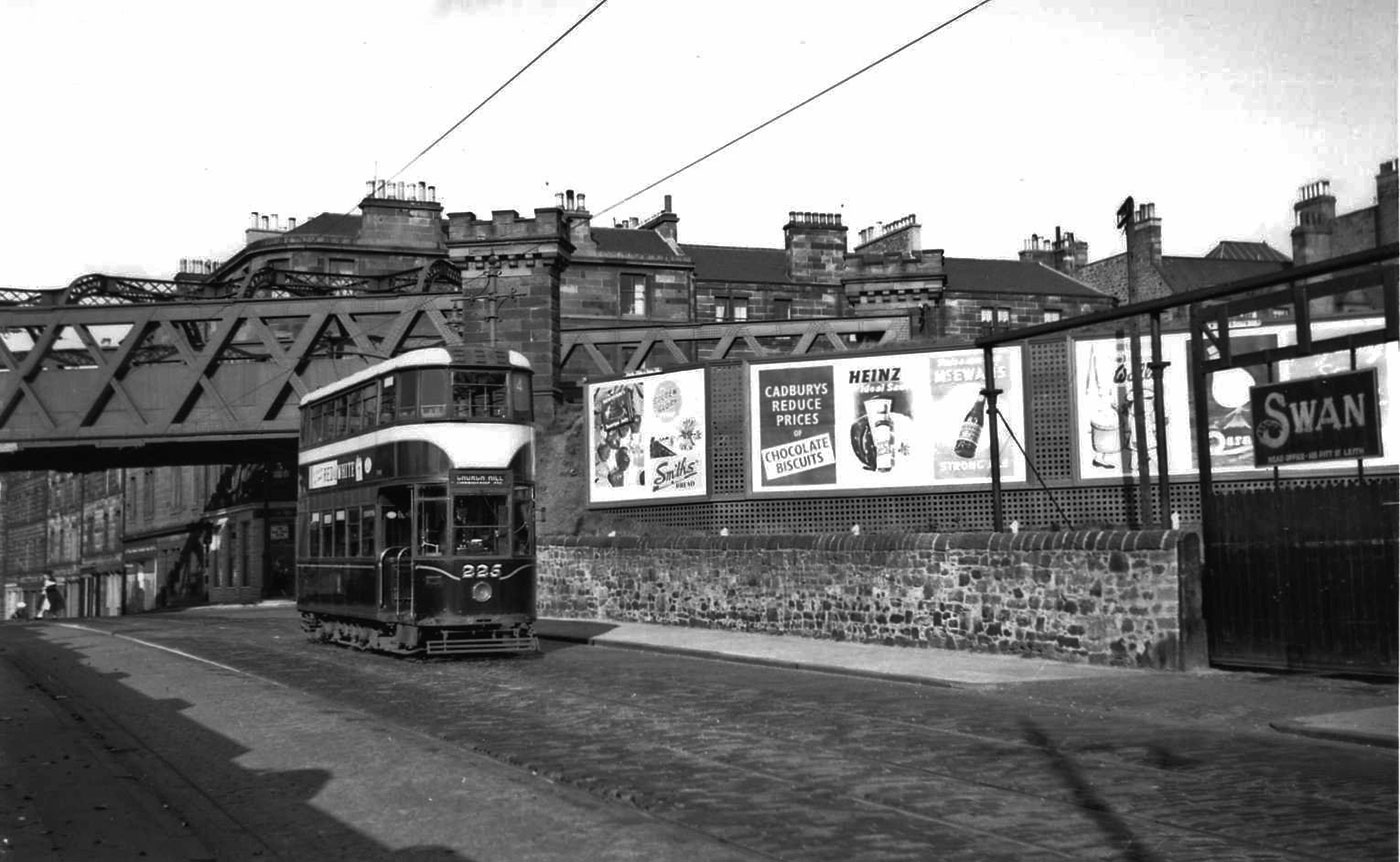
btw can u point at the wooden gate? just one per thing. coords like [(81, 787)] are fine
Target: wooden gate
[(1303, 577)]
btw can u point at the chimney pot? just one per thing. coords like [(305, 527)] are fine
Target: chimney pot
[(432, 194), (569, 198), (265, 222), (291, 223), (369, 188), (667, 207), (255, 220), (583, 207)]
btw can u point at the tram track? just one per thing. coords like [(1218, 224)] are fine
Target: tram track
[(502, 695)]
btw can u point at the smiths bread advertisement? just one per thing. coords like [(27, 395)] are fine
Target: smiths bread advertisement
[(878, 422), (646, 438)]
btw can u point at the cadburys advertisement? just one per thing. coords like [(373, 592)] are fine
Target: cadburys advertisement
[(646, 436), (875, 422)]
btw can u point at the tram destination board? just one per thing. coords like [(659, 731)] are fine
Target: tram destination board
[(1316, 419)]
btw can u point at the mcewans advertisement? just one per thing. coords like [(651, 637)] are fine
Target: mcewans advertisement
[(646, 438), (907, 420)]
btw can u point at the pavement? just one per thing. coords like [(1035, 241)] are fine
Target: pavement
[(1371, 725)]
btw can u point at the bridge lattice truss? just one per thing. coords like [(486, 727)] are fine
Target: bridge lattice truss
[(115, 371)]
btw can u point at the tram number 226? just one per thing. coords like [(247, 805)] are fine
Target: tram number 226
[(481, 571)]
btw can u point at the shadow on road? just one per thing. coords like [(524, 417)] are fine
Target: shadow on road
[(79, 740), (1118, 832)]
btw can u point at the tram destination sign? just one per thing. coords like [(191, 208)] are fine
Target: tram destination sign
[(1334, 417)]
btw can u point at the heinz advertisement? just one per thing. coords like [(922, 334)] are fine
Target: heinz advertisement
[(878, 422), (646, 438)]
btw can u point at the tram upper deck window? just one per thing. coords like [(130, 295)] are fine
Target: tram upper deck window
[(407, 385), (522, 403), (478, 394), (432, 393), (479, 521), (386, 400)]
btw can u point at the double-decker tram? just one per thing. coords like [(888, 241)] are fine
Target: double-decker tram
[(415, 507)]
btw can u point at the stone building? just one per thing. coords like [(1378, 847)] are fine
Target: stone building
[(1319, 233), (25, 538)]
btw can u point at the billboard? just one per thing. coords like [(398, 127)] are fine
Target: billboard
[(1103, 410), (878, 422), (1381, 357), (646, 438), (1316, 419), (1105, 437)]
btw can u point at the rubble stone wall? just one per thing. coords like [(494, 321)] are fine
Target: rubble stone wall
[(1128, 598)]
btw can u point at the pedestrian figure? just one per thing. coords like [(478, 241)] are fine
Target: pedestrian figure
[(53, 598), (21, 612)]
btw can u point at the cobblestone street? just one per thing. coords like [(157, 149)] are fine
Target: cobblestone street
[(806, 766)]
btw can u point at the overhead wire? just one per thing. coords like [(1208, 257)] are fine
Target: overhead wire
[(495, 92), (803, 103)]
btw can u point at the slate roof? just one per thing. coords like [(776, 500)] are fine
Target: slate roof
[(1228, 249), (1191, 273), (977, 275), (329, 224), (630, 242), (731, 263)]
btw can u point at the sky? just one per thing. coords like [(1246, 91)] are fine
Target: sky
[(138, 133)]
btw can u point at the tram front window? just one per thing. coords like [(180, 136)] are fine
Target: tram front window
[(479, 521)]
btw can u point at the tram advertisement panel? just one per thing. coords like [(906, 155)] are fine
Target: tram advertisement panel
[(907, 420), (646, 438), (1105, 436)]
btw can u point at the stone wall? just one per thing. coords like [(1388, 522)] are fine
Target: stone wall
[(1103, 597)]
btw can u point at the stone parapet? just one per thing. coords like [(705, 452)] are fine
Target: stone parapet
[(1118, 597)]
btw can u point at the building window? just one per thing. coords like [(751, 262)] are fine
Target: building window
[(782, 308), (1003, 315), (634, 296), (731, 308), (148, 495), (986, 314), (1053, 314)]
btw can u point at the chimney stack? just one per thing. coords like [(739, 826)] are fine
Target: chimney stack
[(815, 244), (1146, 241), (1313, 217), (1386, 199)]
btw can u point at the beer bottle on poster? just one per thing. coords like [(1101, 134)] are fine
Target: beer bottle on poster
[(971, 431)]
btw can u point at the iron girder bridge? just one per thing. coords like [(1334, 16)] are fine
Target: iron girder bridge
[(114, 371), (123, 372)]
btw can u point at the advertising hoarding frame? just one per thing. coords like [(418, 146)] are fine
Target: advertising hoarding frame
[(1244, 470), (591, 443), (1015, 452)]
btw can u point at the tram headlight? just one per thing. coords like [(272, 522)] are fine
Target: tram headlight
[(481, 591)]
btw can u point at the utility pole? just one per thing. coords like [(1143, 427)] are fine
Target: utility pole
[(1126, 223), (490, 296)]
